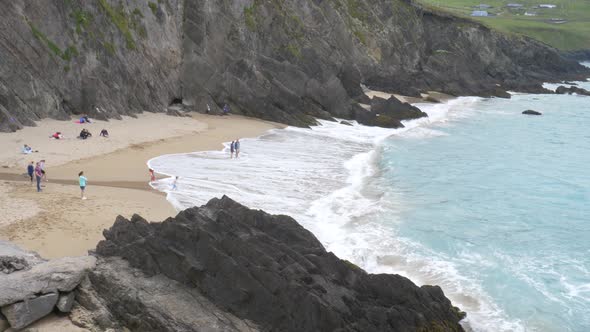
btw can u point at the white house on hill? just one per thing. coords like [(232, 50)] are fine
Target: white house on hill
[(480, 13), (547, 6)]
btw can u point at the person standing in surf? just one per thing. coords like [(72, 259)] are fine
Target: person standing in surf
[(152, 175), (232, 148), (174, 187), (237, 147), (83, 181)]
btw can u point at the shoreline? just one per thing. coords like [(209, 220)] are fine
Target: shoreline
[(56, 223)]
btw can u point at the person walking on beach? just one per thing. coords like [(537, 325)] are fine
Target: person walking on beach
[(31, 170), (237, 146), (232, 148), (83, 181), (225, 109), (152, 175), (208, 109), (42, 165), (38, 176)]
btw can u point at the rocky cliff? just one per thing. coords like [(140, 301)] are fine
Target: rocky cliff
[(288, 61), (224, 267)]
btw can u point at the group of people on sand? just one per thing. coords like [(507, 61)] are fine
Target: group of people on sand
[(37, 171)]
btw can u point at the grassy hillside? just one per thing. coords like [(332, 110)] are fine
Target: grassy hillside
[(574, 34)]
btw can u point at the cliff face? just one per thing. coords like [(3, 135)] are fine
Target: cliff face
[(224, 267), (287, 61)]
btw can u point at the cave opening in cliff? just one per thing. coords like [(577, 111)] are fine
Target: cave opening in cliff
[(176, 101)]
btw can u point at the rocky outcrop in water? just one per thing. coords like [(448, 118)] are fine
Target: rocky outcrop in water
[(229, 268), (388, 113), (288, 61), (562, 90), (531, 112)]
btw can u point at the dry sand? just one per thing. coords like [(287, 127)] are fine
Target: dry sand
[(56, 222)]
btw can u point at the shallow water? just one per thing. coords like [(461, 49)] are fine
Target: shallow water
[(488, 203)]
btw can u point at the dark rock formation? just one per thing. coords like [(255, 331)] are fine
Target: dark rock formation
[(289, 61), (346, 123), (578, 55), (531, 112), (264, 269), (388, 113), (573, 89)]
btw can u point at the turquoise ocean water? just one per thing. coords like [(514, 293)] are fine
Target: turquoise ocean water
[(490, 204)]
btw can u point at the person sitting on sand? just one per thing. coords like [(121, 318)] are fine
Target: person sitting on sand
[(57, 135), (104, 133), (27, 149), (31, 170), (85, 119), (84, 134), (82, 179)]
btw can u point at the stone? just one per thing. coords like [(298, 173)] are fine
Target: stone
[(66, 301), (346, 123), (21, 314), (531, 112), (388, 113), (571, 90), (62, 275), (266, 271)]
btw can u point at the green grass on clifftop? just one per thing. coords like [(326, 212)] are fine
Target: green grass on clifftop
[(574, 34)]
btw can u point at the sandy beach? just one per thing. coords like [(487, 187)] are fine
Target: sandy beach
[(56, 222)]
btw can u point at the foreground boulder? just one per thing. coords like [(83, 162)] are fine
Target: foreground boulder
[(531, 112), (31, 287), (229, 268)]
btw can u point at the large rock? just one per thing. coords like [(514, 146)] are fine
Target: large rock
[(66, 301), (13, 258), (289, 61), (148, 303), (531, 112), (59, 275), (571, 90), (21, 314), (388, 113), (265, 269)]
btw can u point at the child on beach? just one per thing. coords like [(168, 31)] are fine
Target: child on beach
[(104, 133), (174, 183), (27, 149), (31, 170), (83, 181)]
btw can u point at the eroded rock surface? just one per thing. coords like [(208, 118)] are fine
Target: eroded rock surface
[(266, 270)]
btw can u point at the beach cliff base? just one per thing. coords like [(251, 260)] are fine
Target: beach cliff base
[(225, 267)]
